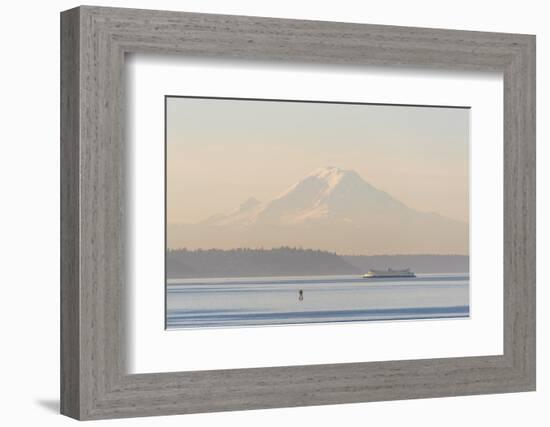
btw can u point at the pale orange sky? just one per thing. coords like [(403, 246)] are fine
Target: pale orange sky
[(221, 152)]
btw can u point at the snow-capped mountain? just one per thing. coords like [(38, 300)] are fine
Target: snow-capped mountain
[(330, 209), (327, 193)]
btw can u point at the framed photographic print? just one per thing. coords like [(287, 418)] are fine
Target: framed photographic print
[(314, 243), (262, 213)]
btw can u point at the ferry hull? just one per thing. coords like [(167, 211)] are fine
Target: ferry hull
[(388, 274), (394, 276)]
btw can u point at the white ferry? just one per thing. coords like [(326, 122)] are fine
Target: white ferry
[(389, 273)]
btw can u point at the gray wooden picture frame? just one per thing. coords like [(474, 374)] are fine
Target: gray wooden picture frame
[(94, 381)]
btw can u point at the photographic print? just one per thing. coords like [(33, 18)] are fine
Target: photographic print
[(286, 212)]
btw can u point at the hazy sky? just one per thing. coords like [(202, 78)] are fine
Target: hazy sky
[(221, 152)]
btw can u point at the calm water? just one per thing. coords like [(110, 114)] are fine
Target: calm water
[(198, 303)]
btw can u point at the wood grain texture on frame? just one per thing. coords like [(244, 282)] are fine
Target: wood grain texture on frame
[(94, 380)]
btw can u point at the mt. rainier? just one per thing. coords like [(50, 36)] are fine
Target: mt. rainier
[(330, 209)]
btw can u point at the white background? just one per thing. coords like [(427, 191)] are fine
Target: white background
[(29, 177), (154, 350)]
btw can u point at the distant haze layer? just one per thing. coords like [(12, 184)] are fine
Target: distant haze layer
[(239, 175)]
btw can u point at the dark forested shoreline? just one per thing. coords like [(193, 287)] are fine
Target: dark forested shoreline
[(286, 261)]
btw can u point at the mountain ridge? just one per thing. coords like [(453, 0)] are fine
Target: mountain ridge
[(331, 209)]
